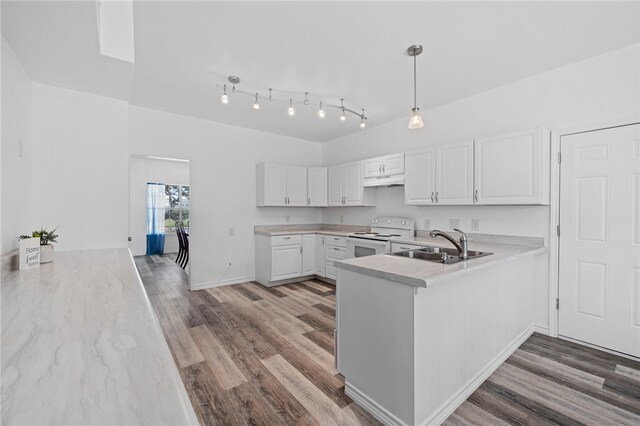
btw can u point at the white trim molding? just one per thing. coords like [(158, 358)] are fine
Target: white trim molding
[(221, 283), (371, 406)]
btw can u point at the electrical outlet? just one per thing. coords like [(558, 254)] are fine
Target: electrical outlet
[(20, 148), (454, 223), (287, 218), (341, 219), (475, 225), (232, 232), (427, 224)]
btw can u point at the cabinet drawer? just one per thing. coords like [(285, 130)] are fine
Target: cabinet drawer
[(403, 247), (333, 240), (331, 271), (281, 240), (336, 253)]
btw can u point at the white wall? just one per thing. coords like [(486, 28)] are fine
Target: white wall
[(222, 164), (589, 91), (141, 171), (16, 169), (80, 167)]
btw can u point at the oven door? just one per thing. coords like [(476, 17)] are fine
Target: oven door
[(360, 247)]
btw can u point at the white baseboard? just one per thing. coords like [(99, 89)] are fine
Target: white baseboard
[(221, 283), (450, 405), (537, 328), (371, 406)]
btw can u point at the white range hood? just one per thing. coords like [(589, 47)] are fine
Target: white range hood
[(394, 180)]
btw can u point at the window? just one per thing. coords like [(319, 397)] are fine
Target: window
[(176, 202)]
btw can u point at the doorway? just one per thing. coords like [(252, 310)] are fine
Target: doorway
[(599, 247), (169, 178)]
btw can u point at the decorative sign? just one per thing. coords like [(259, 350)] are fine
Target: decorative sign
[(29, 253)]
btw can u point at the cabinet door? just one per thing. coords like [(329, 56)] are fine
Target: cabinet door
[(509, 168), (454, 173), (420, 177), (297, 186), (321, 261), (335, 180), (274, 182), (286, 262), (354, 194), (393, 164), (317, 186), (308, 254), (372, 167)]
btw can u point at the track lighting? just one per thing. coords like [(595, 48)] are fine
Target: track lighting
[(415, 122), (343, 117), (232, 81), (291, 110), (224, 98)]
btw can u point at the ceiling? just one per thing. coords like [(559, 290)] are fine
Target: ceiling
[(351, 50)]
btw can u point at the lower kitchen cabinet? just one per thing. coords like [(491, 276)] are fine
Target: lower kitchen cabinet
[(286, 262), (308, 254), (321, 258)]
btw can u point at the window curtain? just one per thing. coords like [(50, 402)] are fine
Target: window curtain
[(155, 218)]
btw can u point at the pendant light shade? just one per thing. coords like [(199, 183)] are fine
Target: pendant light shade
[(415, 122)]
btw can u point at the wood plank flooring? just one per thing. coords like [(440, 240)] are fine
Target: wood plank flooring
[(264, 356)]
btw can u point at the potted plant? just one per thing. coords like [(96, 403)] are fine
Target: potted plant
[(47, 238)]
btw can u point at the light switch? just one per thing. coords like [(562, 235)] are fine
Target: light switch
[(427, 224), (232, 232), (454, 223), (475, 225)]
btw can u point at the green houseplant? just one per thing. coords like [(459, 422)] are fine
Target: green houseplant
[(47, 238)]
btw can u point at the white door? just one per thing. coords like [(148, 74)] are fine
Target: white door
[(599, 264), (275, 185), (317, 186), (354, 193), (420, 177), (454, 173), (308, 254), (297, 186), (372, 167), (393, 164), (320, 255), (286, 262), (335, 180), (512, 168)]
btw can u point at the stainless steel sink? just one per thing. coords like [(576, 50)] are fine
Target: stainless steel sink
[(440, 254)]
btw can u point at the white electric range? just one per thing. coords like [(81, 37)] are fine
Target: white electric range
[(383, 231)]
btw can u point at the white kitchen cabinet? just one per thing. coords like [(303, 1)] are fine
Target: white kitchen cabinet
[(345, 186), (420, 177), (454, 174), (286, 262), (278, 185), (317, 186), (336, 249), (308, 254), (513, 168), (321, 258), (387, 165)]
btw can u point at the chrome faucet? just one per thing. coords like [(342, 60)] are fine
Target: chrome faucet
[(461, 246)]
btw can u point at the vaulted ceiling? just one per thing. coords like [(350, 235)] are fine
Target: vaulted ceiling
[(352, 50)]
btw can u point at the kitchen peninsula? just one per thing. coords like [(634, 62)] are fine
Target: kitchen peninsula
[(415, 337), (81, 345)]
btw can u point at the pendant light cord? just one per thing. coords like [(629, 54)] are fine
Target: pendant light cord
[(415, 101)]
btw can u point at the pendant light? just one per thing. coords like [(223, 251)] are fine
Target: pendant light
[(343, 117), (291, 110), (256, 105), (415, 122), (321, 111), (363, 124)]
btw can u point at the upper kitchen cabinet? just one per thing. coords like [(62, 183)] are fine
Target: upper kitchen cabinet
[(281, 185), (454, 174), (513, 168), (420, 177), (387, 165), (345, 186), (317, 186)]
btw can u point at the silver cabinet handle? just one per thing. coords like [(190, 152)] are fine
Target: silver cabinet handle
[(336, 238), (336, 248), (287, 238), (475, 195), (436, 196), (300, 249), (380, 168), (285, 200), (432, 197), (308, 200), (384, 168)]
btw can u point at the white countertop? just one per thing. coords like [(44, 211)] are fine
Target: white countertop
[(81, 345), (422, 273)]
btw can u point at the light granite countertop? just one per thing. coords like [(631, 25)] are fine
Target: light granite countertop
[(421, 273), (323, 229), (81, 345)]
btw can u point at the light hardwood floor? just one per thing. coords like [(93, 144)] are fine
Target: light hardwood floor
[(252, 355)]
